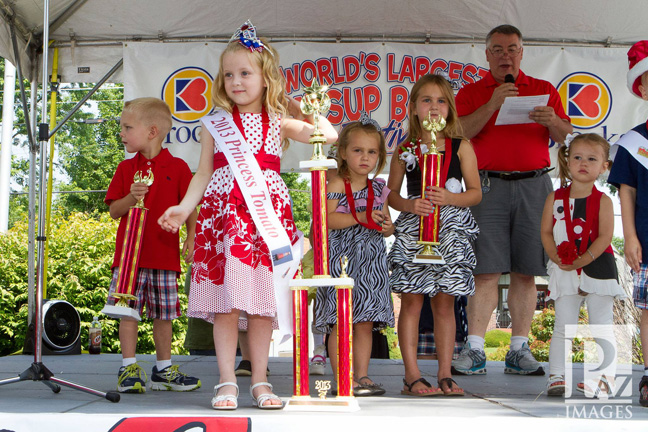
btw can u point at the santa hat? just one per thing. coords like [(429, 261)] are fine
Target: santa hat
[(638, 64)]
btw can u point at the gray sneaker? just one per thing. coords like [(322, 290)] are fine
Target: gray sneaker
[(470, 362), (522, 362)]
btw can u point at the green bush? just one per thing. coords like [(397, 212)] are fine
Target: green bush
[(81, 250), (542, 328), (496, 338)]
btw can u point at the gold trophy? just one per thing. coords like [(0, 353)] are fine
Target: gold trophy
[(315, 101), (130, 254), (431, 176)]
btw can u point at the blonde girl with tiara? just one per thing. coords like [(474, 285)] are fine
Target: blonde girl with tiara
[(232, 277), (359, 221), (432, 95), (577, 227)]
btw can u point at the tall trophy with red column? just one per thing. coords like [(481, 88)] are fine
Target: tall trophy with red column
[(431, 167), (130, 255), (316, 102)]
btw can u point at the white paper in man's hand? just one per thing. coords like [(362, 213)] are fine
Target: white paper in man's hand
[(515, 110)]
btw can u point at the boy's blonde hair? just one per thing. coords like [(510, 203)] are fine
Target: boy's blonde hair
[(453, 127), (151, 111), (274, 97), (563, 154), (345, 138)]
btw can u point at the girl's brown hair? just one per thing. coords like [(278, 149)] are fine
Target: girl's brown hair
[(563, 155), (453, 127), (345, 138)]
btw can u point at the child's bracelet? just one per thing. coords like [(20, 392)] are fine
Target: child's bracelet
[(591, 254)]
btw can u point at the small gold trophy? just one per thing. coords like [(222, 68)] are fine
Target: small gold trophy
[(431, 175), (315, 101), (130, 254)]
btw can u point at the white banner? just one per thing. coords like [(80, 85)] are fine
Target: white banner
[(377, 77)]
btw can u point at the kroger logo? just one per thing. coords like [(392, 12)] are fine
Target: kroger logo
[(587, 99), (187, 91)]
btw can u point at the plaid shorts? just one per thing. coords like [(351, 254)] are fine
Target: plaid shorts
[(640, 281), (427, 347), (157, 289)]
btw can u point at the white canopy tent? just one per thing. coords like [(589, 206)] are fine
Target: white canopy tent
[(90, 33)]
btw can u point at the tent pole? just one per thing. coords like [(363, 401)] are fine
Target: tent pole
[(31, 254), (42, 194), (9, 95), (53, 99), (23, 100), (87, 96)]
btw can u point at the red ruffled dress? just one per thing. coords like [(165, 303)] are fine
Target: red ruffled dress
[(232, 268)]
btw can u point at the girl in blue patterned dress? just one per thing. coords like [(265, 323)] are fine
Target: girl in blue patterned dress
[(359, 220)]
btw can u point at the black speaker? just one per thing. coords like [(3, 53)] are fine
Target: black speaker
[(61, 329)]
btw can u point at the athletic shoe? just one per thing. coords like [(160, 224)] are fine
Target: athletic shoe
[(318, 362), (470, 362), (170, 378), (522, 362), (130, 379), (245, 369)]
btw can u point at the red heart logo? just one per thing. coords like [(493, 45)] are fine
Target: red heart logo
[(194, 94), (587, 100)]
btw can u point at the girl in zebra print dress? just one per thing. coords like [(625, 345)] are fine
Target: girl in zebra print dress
[(433, 95), (359, 220)]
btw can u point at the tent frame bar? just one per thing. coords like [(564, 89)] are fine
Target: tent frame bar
[(86, 97), (607, 43), (23, 98)]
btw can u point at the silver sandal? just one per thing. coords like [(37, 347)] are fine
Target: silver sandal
[(263, 398), (228, 398)]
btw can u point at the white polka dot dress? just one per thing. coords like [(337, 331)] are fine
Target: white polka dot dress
[(232, 268)]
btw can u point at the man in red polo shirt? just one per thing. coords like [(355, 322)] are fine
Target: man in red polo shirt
[(513, 161)]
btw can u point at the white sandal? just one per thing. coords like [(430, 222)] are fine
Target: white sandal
[(602, 389), (228, 398), (554, 386), (263, 398)]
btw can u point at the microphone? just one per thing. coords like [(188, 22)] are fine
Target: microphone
[(509, 78)]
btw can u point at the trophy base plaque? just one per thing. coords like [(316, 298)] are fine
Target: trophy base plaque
[(307, 403), (121, 312), (428, 259)]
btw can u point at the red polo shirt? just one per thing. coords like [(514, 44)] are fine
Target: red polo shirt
[(160, 249), (518, 147)]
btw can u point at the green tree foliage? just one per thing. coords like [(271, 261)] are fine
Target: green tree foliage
[(81, 252), (88, 153), (300, 194)]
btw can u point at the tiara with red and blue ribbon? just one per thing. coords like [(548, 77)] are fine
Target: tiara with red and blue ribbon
[(246, 35)]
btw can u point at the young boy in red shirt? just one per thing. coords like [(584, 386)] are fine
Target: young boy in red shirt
[(145, 122)]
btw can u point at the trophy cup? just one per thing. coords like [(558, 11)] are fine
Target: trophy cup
[(430, 176), (130, 254), (316, 102)]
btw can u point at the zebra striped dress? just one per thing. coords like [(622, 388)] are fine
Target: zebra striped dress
[(458, 231), (367, 254)]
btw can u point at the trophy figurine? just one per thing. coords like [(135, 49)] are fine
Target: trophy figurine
[(130, 254), (315, 101), (430, 176)]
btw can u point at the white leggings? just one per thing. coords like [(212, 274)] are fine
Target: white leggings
[(600, 311)]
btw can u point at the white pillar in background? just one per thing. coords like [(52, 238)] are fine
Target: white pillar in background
[(7, 132)]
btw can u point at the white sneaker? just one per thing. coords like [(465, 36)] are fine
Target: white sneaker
[(318, 362)]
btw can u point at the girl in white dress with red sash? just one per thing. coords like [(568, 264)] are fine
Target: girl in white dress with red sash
[(577, 227), (245, 209)]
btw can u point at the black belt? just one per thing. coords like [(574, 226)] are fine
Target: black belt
[(517, 175)]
